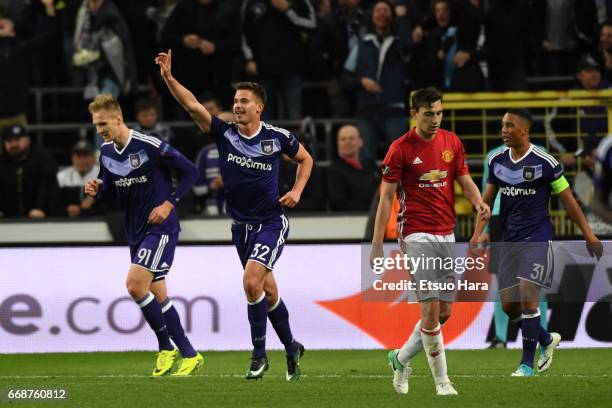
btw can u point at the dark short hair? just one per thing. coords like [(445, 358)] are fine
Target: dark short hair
[(425, 97), (606, 23), (522, 113), (144, 104), (254, 87)]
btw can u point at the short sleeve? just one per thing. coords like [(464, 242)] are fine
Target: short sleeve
[(166, 151), (289, 144), (217, 129), (461, 167), (393, 165), (491, 179), (558, 182)]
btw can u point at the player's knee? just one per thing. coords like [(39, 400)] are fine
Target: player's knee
[(253, 287), (430, 318), (135, 289)]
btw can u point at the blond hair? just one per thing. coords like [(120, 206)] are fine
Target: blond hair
[(104, 102)]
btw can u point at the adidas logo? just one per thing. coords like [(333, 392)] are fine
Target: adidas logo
[(165, 265), (417, 161)]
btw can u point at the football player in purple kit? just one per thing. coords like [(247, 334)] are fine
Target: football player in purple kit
[(526, 177), (135, 169), (249, 156)]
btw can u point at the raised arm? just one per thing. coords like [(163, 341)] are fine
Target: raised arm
[(188, 101)]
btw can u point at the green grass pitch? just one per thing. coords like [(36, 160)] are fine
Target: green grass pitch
[(577, 378)]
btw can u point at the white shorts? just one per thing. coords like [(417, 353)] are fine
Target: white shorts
[(429, 255)]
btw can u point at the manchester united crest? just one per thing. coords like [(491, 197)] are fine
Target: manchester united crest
[(447, 156)]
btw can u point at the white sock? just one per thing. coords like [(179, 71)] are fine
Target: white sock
[(433, 343), (412, 346)]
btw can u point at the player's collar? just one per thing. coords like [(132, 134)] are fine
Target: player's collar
[(521, 158), (254, 134), (421, 138), (125, 145)]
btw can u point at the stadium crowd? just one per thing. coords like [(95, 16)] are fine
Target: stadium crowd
[(366, 55)]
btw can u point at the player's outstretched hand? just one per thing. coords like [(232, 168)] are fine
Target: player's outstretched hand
[(91, 188), (595, 247), (164, 60), (290, 199), (160, 213)]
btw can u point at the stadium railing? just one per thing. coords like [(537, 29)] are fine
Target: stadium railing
[(475, 117), (559, 123)]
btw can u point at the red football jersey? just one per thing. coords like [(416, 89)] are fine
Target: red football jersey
[(425, 171)]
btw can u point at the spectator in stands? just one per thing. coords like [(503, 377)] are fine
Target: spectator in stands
[(15, 8), (160, 15), (508, 34), (211, 103), (593, 119), (442, 55), (605, 49), (273, 50), (205, 39), (323, 7), (426, 62), (28, 183), (587, 24), (351, 182), (329, 47), (467, 75), (15, 52), (103, 50), (556, 36), (143, 33), (376, 67), (72, 179), (588, 73), (147, 118)]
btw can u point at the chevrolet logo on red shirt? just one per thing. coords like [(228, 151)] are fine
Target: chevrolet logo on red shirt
[(434, 175)]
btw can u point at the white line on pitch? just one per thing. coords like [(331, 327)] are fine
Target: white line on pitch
[(62, 376)]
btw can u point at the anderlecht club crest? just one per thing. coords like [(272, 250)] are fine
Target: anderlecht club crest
[(135, 160), (267, 146)]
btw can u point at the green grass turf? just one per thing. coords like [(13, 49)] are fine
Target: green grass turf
[(577, 378)]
